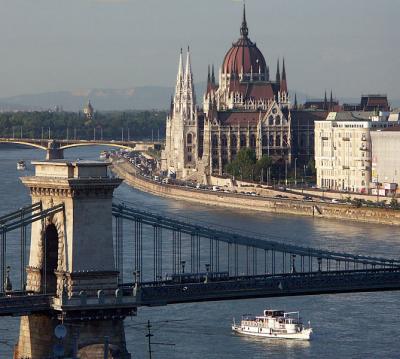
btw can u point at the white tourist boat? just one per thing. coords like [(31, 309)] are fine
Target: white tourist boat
[(274, 324), (104, 155), (21, 165)]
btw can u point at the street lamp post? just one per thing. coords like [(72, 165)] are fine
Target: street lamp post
[(286, 172)]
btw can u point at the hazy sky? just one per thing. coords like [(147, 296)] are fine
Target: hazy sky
[(350, 46)]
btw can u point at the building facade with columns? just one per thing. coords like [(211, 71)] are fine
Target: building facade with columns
[(245, 108)]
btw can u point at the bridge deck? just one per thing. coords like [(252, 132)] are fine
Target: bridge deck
[(242, 287)]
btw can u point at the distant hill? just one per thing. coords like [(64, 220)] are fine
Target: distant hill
[(139, 98), (135, 98)]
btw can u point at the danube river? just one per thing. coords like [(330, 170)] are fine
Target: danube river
[(363, 325)]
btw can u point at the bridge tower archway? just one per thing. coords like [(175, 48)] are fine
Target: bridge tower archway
[(50, 240)]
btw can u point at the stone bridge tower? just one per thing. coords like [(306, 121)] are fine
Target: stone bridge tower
[(72, 259)]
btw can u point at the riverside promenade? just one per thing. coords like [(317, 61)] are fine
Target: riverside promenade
[(316, 209)]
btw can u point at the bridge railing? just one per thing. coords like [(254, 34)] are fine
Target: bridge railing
[(195, 245)]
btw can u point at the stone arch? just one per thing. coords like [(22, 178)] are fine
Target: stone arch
[(270, 120), (52, 254), (189, 139), (278, 120), (50, 248)]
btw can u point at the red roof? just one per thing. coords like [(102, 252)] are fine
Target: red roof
[(253, 90), (243, 118)]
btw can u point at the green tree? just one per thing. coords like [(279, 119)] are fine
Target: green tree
[(262, 166), (394, 203), (243, 166)]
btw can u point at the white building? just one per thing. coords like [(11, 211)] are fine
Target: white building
[(343, 154), (385, 158)]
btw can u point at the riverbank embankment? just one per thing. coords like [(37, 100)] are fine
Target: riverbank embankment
[(258, 203)]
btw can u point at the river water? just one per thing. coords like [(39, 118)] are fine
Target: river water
[(364, 325)]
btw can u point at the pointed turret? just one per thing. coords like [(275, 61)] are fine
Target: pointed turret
[(179, 84), (325, 102), (213, 75), (278, 74), (283, 79), (189, 101), (210, 86), (244, 30), (331, 102)]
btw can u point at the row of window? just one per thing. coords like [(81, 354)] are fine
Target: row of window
[(270, 140)]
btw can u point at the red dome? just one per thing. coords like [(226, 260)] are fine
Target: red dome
[(244, 56)]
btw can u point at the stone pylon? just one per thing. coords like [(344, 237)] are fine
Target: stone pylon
[(72, 259)]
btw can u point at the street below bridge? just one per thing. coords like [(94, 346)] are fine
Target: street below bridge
[(204, 328)]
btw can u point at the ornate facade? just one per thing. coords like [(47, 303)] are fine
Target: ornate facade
[(244, 109)]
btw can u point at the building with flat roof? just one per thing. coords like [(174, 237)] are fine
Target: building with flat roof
[(385, 158), (343, 149)]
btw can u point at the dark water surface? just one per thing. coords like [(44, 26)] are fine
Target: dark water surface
[(364, 325)]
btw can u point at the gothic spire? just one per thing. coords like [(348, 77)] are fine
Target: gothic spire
[(179, 84), (244, 31), (325, 102), (331, 102), (278, 74), (283, 83), (213, 75), (189, 101), (179, 76), (208, 75), (295, 101)]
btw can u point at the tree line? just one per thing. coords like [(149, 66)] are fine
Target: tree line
[(245, 166), (114, 125)]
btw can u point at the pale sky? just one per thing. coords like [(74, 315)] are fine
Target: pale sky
[(350, 46)]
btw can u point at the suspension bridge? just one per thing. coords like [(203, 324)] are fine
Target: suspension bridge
[(94, 260), (188, 262)]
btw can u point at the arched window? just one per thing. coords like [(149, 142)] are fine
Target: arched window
[(224, 141), (253, 140), (189, 138), (278, 120), (271, 140), (278, 140), (214, 140), (242, 140), (271, 120), (284, 140), (233, 141), (265, 141)]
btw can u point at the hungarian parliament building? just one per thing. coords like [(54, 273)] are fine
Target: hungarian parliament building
[(244, 108)]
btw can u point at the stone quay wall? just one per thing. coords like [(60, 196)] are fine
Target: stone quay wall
[(256, 203)]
